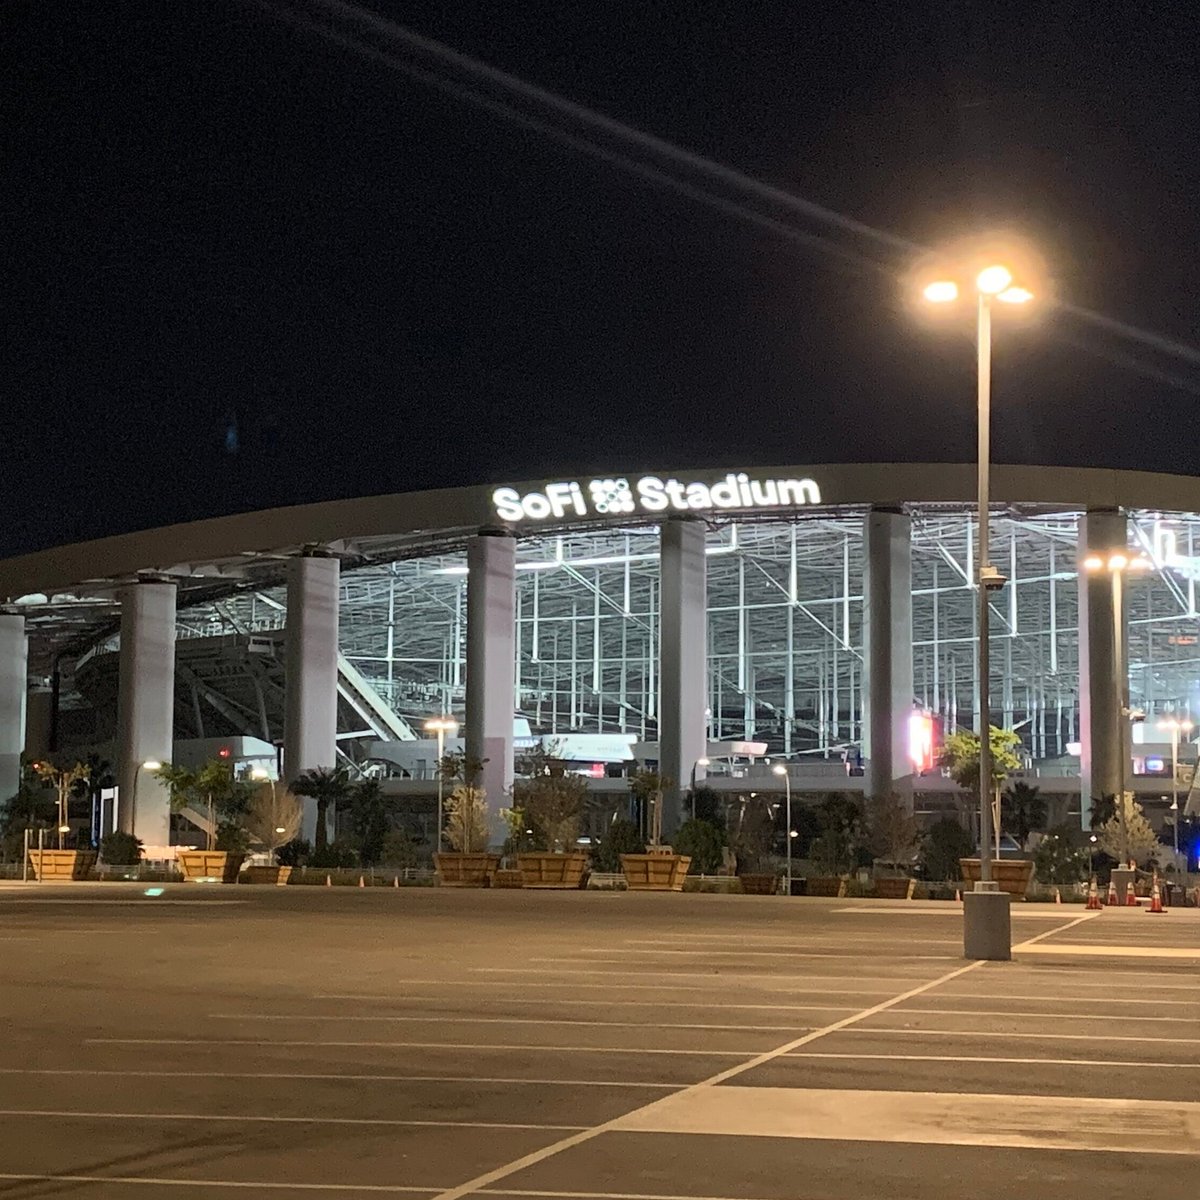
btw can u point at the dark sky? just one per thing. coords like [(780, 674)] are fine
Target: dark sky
[(211, 215)]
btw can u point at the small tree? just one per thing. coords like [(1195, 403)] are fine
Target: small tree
[(273, 816), (945, 843), (467, 819), (1023, 810), (754, 838), (548, 801), (892, 831), (703, 843), (1056, 860), (370, 819), (1137, 839), (329, 787), (66, 782), (209, 789), (960, 756), (647, 787), (621, 837)]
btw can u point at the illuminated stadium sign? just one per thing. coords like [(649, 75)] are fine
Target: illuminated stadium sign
[(651, 494)]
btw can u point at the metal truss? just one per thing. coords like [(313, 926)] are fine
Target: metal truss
[(785, 626)]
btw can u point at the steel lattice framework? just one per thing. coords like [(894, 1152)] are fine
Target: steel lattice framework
[(785, 626)]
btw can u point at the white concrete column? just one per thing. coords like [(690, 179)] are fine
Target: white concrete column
[(887, 652), (683, 663), (145, 709), (491, 667), (310, 673), (13, 666), (1103, 682)]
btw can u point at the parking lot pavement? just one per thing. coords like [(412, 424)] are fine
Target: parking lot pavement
[(216, 1042)]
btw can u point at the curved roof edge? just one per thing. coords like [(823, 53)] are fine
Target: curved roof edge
[(278, 531)]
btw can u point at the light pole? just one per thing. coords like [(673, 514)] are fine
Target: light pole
[(780, 769), (1175, 726), (440, 726), (992, 281), (700, 762), (1117, 565)]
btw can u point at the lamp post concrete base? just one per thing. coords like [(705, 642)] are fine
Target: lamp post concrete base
[(987, 926), (1124, 879)]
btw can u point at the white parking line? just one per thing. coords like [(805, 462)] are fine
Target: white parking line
[(76, 1114), (708, 1005), (1140, 1063), (888, 1031), (339, 1077), (443, 1020), (1041, 1016), (204, 1043), (1098, 950), (383, 1189)]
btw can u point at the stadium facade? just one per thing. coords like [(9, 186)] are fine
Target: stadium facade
[(822, 615)]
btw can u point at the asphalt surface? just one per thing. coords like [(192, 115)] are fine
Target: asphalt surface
[(256, 1042)]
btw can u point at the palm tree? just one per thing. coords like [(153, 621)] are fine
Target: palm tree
[(325, 785), (1023, 810)]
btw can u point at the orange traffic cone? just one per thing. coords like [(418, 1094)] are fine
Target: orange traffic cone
[(1093, 900), (1111, 898), (395, 881), (328, 881), (1131, 900), (1156, 904), (362, 882), (1057, 896), (958, 895)]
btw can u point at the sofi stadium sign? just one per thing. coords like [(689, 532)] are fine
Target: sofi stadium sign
[(651, 494)]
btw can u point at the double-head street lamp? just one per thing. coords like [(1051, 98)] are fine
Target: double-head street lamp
[(781, 769), (991, 281), (1118, 564), (1176, 727), (441, 726)]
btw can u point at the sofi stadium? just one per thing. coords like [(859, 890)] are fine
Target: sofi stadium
[(716, 623)]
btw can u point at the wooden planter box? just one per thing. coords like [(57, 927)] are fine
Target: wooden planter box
[(655, 872), (507, 879), (758, 884), (466, 870), (553, 870), (895, 889), (49, 865), (1013, 875), (212, 866), (826, 885), (264, 874)]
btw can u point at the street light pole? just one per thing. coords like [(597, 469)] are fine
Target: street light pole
[(781, 769), (983, 342), (440, 726)]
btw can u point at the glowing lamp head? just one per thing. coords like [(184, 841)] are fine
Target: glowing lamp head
[(1118, 562), (941, 291), (259, 773), (702, 762), (1140, 563), (1093, 562), (152, 764), (779, 769), (991, 281), (1015, 295)]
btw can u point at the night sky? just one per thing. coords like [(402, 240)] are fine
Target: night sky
[(246, 266)]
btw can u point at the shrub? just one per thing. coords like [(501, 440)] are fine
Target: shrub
[(121, 849), (621, 837), (945, 843), (703, 841), (294, 853), (1057, 861), (467, 819), (232, 838), (336, 855), (892, 833), (399, 850)]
